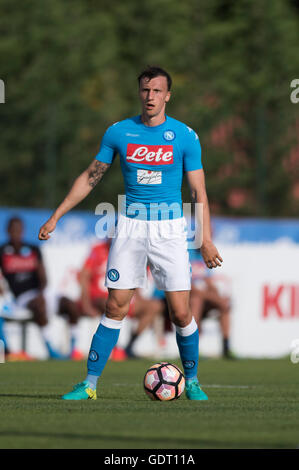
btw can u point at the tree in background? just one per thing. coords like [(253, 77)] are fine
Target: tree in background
[(70, 71)]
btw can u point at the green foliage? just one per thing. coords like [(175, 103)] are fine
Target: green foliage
[(70, 71)]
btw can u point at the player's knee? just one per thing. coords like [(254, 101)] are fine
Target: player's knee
[(180, 318), (116, 309)]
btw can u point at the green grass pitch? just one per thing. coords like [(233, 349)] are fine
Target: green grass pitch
[(253, 404)]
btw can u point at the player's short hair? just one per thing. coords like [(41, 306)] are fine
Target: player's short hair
[(154, 71), (12, 220)]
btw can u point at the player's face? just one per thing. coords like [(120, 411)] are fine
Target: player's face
[(154, 95), (15, 232)]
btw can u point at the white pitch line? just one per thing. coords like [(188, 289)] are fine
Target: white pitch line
[(226, 386), (203, 385)]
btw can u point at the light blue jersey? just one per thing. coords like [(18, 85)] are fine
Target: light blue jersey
[(153, 162)]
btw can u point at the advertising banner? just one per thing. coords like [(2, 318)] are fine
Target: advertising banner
[(259, 274)]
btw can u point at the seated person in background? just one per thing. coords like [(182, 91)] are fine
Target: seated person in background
[(2, 335), (145, 311), (205, 297), (23, 269), (3, 311), (69, 308)]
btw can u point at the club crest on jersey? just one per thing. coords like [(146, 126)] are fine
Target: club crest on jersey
[(150, 154), (169, 135), (113, 275)]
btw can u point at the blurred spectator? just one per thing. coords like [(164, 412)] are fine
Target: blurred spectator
[(205, 299), (3, 337), (94, 294), (24, 271), (145, 311), (3, 308), (70, 309)]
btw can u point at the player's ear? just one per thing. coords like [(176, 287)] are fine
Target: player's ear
[(167, 97)]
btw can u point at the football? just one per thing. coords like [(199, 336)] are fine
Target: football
[(164, 381)]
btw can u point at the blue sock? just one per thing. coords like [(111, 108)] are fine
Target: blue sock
[(101, 347), (189, 350)]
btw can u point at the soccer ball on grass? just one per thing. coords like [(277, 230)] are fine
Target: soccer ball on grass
[(164, 381)]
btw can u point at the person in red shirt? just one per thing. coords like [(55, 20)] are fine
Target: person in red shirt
[(92, 281)]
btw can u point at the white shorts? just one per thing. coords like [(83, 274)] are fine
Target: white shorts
[(161, 245)]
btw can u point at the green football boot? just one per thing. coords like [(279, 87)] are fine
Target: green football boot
[(81, 391), (194, 392)]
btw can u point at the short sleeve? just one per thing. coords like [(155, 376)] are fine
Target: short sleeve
[(191, 151), (108, 147)]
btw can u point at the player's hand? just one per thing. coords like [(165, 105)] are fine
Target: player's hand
[(210, 255), (46, 229)]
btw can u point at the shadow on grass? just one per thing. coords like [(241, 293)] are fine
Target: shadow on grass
[(58, 397), (19, 395), (133, 441)]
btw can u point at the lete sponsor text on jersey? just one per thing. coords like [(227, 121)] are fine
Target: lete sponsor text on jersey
[(150, 154)]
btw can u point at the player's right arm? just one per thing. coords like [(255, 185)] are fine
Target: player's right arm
[(82, 186)]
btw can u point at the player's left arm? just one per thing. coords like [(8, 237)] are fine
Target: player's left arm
[(196, 180)]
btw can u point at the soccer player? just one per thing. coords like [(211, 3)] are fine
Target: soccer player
[(155, 150)]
